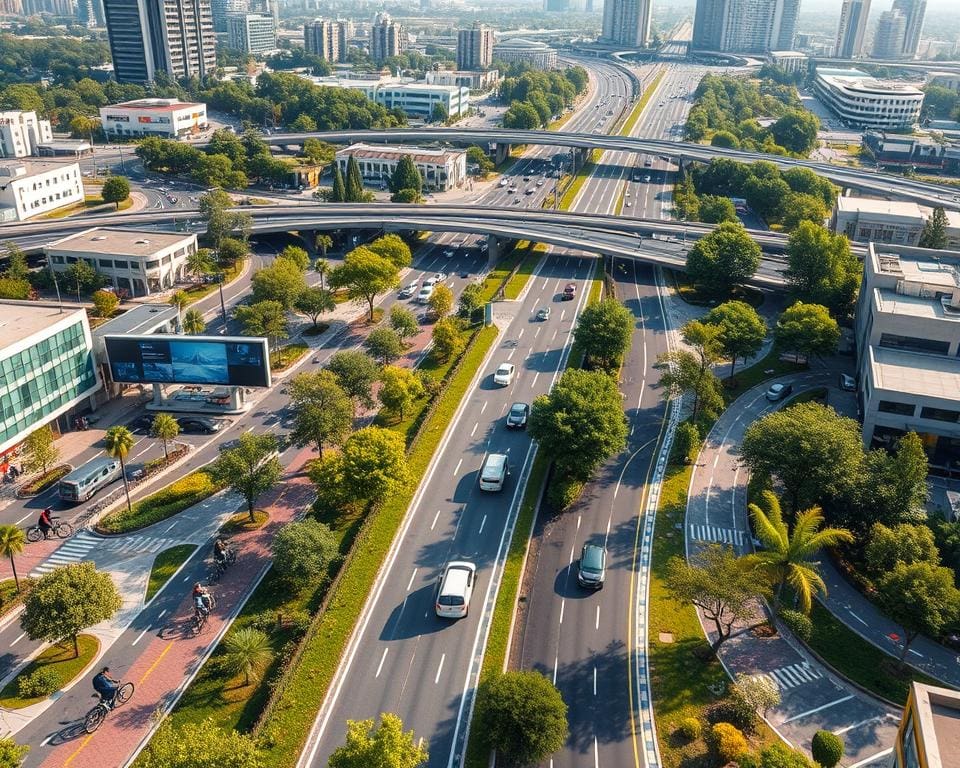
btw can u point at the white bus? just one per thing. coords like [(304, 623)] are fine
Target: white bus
[(85, 481)]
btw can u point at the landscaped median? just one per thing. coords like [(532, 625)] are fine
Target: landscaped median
[(54, 668), (627, 128), (166, 502)]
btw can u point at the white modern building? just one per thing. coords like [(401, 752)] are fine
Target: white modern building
[(21, 133), (29, 189), (862, 101), (137, 262), (788, 61), (908, 342), (415, 98), (474, 80), (252, 33), (538, 55), (865, 220), (46, 368), (166, 118), (440, 169)]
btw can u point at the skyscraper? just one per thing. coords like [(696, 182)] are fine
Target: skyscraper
[(745, 26), (888, 40), (783, 29), (387, 38), (913, 11), (251, 33), (220, 9), (474, 47), (150, 36), (627, 22), (853, 23), (322, 38)]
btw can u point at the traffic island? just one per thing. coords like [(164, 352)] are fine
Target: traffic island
[(160, 505), (37, 485), (49, 672), (240, 522), (165, 565)]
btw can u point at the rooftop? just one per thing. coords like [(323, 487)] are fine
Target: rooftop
[(520, 42), (161, 105), (854, 79), (885, 207), (417, 154), (915, 373), (938, 724), (128, 242), (32, 167), (142, 319), (21, 320)]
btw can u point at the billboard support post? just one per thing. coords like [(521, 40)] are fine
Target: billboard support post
[(157, 394)]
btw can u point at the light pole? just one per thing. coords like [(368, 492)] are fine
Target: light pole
[(223, 306)]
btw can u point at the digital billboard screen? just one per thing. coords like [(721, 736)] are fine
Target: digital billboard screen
[(172, 359)]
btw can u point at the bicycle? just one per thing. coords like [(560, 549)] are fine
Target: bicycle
[(59, 528), (98, 714), (199, 619)]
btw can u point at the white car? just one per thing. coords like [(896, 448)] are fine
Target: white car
[(440, 277), (504, 375), (503, 183), (448, 254), (455, 590), (425, 293), (430, 281), (408, 290)]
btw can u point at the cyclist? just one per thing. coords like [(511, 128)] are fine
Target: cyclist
[(202, 599), (106, 686), (220, 552), (45, 523)]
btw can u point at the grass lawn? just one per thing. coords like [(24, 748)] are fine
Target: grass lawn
[(287, 355), (637, 110), (89, 201), (59, 659), (165, 565), (573, 188), (161, 504), (240, 522), (197, 291), (765, 368), (691, 295), (532, 253)]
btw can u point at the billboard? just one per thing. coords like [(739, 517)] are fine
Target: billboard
[(164, 358)]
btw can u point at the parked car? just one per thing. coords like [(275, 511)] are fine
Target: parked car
[(543, 313), (517, 416), (504, 374), (455, 590), (569, 292), (778, 392), (593, 566), (848, 383)]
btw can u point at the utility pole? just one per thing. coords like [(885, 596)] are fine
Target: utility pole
[(223, 306)]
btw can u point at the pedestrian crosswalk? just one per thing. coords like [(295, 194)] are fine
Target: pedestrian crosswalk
[(792, 675), (78, 547), (716, 534)]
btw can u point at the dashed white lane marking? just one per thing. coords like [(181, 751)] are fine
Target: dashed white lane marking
[(412, 577), (436, 679), (597, 623), (140, 636), (18, 638), (457, 469), (482, 523), (563, 604), (382, 659), (474, 430)]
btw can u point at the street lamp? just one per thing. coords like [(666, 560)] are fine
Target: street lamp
[(223, 306)]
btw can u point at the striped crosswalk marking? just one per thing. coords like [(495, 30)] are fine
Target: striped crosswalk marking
[(76, 549), (716, 534), (793, 675)]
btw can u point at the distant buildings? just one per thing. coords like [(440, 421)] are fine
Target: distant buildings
[(387, 38), (745, 26), (853, 24), (913, 12), (325, 39), (29, 189), (149, 36), (221, 9), (788, 61), (627, 22), (474, 80), (890, 34), (21, 133), (166, 118), (440, 169), (417, 100), (894, 150), (862, 101), (474, 47), (538, 55), (251, 33)]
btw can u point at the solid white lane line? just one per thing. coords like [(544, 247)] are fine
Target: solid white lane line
[(160, 615), (482, 523), (520, 335), (817, 709), (439, 669), (535, 377), (434, 520), (579, 520), (562, 313), (556, 663), (571, 553), (857, 617), (412, 577), (18, 638), (140, 636), (455, 471), (596, 753), (380, 665), (563, 604)]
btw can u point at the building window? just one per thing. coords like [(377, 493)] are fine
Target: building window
[(105, 263), (940, 414), (914, 344), (891, 406)]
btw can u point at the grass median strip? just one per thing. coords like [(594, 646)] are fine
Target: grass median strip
[(160, 505), (631, 121), (165, 565), (49, 672)]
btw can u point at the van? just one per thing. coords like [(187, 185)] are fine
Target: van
[(456, 587), (85, 481), (494, 472)]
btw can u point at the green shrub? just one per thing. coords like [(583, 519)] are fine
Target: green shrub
[(748, 761), (728, 742), (158, 506), (40, 682), (686, 441), (690, 728), (827, 748), (732, 710), (562, 492), (798, 623)]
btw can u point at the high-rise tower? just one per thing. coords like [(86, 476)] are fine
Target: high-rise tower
[(323, 38), (474, 47), (627, 22), (913, 11), (387, 38), (745, 26), (853, 23), (888, 40)]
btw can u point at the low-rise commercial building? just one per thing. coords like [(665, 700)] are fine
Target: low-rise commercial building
[(252, 33), (862, 101), (416, 99), (137, 262), (440, 169), (538, 55), (929, 733), (908, 340), (865, 220), (22, 133), (166, 118), (475, 81), (897, 150), (46, 367), (29, 189), (788, 61)]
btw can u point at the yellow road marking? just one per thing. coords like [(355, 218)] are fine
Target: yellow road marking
[(154, 665), (78, 750)]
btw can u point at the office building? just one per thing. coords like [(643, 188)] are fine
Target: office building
[(440, 169), (221, 9), (46, 367), (789, 61), (923, 153), (865, 220), (890, 34), (745, 26), (416, 99), (913, 12), (11, 8), (323, 38), (853, 23), (150, 36), (538, 55), (21, 133), (29, 189), (251, 33), (908, 339), (475, 80), (929, 733), (52, 7), (862, 101), (474, 47), (167, 118), (387, 38), (137, 262), (627, 22)]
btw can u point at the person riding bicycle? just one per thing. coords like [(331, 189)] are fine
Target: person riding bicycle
[(202, 599), (45, 523), (106, 686), (220, 552)]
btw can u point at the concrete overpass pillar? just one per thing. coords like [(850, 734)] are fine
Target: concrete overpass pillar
[(494, 248), (501, 154)]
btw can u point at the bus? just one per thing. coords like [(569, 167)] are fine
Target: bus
[(85, 481)]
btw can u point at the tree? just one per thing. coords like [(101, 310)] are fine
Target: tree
[(199, 262), (813, 452), (723, 259), (318, 152), (303, 552), (356, 372), (193, 322), (354, 182), (471, 299), (522, 716), (715, 209), (754, 695), (313, 301), (441, 301), (921, 597), (164, 428), (374, 462), (719, 583), (12, 542), (796, 131), (323, 413), (786, 556), (821, 268), (385, 745), (682, 374), (200, 745), (115, 190), (84, 277), (934, 234), (231, 251), (384, 344), (406, 176), (297, 256), (808, 330), (179, 299), (895, 484), (215, 207), (407, 196), (364, 275), (40, 450), (18, 290), (393, 249), (447, 339), (826, 748), (779, 755), (11, 753), (903, 543), (64, 602), (247, 652), (338, 192), (580, 423), (282, 281), (250, 469), (521, 115), (265, 318), (439, 113), (742, 330), (403, 322), (603, 332), (118, 442), (323, 243), (105, 303), (797, 207), (399, 388), (725, 139)]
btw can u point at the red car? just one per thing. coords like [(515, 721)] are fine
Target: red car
[(569, 291)]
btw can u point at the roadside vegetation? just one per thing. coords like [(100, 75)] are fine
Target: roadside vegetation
[(165, 565)]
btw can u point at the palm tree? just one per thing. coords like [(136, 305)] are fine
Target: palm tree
[(118, 443), (199, 262), (164, 429), (12, 542), (786, 556), (323, 243), (322, 266), (193, 322), (248, 651), (179, 299)]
